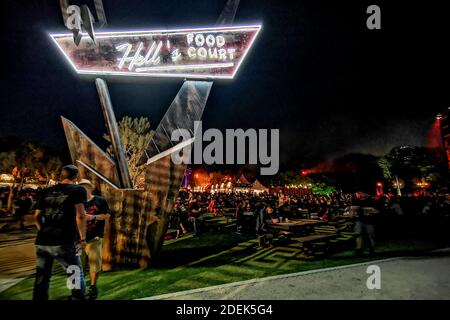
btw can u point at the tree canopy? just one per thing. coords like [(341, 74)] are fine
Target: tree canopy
[(135, 135)]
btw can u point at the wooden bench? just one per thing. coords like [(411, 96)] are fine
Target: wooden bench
[(229, 213), (327, 229), (345, 236), (317, 244), (315, 238), (284, 235)]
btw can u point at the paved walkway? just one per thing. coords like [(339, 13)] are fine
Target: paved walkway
[(17, 254), (11, 234), (401, 278), (16, 262)]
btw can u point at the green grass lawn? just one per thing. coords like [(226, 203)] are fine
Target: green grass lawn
[(214, 258)]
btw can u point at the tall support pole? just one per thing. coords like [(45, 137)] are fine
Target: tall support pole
[(228, 13), (113, 131)]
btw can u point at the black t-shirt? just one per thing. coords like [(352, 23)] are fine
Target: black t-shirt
[(95, 228), (23, 206), (58, 220)]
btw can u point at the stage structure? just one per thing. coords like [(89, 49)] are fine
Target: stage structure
[(136, 233)]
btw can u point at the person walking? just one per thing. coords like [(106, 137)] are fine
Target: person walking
[(364, 213), (194, 214), (98, 213), (266, 216), (60, 219), (23, 205)]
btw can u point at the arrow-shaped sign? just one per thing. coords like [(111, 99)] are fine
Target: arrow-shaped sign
[(215, 52)]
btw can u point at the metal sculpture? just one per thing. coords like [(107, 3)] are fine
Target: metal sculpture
[(140, 217)]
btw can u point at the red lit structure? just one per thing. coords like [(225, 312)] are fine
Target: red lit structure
[(445, 132), (379, 189)]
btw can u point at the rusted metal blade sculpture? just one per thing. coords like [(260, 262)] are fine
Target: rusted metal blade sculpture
[(140, 217)]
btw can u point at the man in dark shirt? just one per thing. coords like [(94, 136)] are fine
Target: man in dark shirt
[(364, 224), (179, 216), (97, 211), (194, 214), (266, 216), (61, 222)]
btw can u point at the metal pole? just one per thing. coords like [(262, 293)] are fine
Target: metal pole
[(399, 192), (113, 131)]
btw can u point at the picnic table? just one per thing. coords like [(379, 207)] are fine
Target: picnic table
[(295, 226), (229, 213)]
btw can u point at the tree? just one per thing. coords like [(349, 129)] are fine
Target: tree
[(385, 166), (30, 158), (8, 164), (51, 168), (412, 164), (290, 177), (21, 163), (322, 188), (352, 172), (215, 177), (135, 135)]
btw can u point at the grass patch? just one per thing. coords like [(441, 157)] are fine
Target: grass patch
[(214, 258)]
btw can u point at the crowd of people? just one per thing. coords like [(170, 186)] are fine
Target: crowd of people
[(253, 211), (23, 203), (324, 207)]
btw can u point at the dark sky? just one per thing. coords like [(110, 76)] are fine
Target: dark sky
[(316, 72)]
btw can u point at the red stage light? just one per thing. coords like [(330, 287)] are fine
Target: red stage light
[(304, 173)]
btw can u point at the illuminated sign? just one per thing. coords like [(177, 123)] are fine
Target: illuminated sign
[(215, 52)]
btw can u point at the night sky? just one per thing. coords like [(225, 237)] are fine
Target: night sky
[(316, 72)]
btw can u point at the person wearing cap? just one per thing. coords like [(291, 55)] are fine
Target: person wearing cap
[(97, 211), (60, 219)]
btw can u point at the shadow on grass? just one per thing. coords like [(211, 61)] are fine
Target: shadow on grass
[(190, 250)]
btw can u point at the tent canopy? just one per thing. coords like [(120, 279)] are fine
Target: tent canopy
[(242, 179), (258, 186)]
